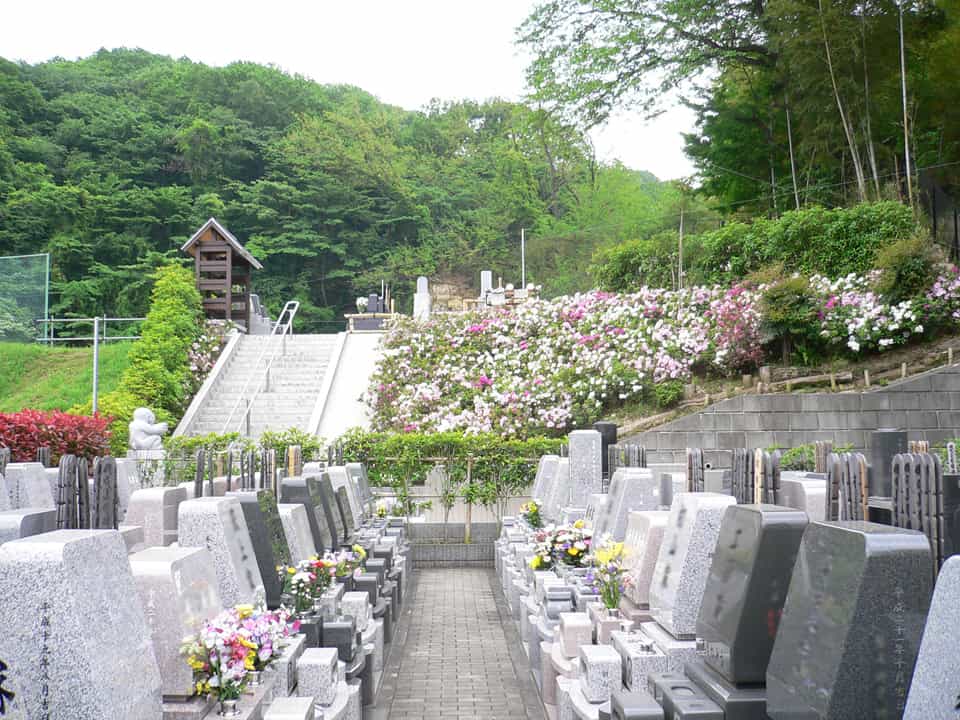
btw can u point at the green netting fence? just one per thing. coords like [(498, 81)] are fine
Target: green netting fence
[(24, 297)]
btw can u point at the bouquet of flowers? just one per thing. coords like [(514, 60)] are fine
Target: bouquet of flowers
[(306, 580), (531, 514), (607, 576), (237, 642), (346, 562), (564, 544)]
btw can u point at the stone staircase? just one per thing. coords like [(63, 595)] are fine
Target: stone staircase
[(296, 378)]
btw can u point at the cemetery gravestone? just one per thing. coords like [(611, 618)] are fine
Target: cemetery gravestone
[(341, 480), (331, 510), (218, 524), (851, 624), (16, 524), (296, 527), (884, 444), (178, 592), (28, 486), (642, 548), (546, 473), (586, 465), (804, 491), (306, 491), (266, 535), (75, 643), (421, 300), (746, 589), (633, 489), (358, 474), (684, 561), (156, 510), (559, 490), (935, 688)]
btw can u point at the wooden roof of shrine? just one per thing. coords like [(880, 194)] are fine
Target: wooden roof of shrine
[(228, 237)]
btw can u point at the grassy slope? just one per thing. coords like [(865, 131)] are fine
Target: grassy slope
[(44, 378)]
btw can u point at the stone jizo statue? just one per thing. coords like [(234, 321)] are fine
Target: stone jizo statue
[(145, 432)]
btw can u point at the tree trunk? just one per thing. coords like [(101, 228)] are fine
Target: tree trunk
[(793, 162), (847, 127), (867, 130)]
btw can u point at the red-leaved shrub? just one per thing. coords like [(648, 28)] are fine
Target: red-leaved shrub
[(63, 433)]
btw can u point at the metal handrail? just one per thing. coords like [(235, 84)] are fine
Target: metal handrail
[(284, 325)]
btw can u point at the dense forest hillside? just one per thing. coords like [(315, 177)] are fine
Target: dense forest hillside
[(110, 162)]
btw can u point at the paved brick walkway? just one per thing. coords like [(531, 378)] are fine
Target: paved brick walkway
[(460, 657)]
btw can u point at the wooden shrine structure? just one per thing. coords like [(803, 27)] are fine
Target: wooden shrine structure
[(223, 269)]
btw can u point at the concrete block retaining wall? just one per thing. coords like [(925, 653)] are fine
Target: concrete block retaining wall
[(440, 545), (927, 406)]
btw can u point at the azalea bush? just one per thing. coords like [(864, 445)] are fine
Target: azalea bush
[(546, 366), (26, 431)]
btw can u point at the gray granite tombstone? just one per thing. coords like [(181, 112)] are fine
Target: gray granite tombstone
[(358, 474), (296, 527), (586, 466), (804, 491), (346, 512), (75, 641), (16, 524), (559, 491), (632, 489), (851, 624), (266, 534), (935, 688), (546, 473), (341, 479)]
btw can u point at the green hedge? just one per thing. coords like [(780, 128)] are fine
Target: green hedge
[(832, 242)]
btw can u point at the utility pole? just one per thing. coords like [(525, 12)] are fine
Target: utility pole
[(523, 259), (96, 361), (903, 90), (680, 253)]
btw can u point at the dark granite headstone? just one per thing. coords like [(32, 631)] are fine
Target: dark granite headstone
[(269, 547), (106, 502), (331, 509), (884, 444), (344, 504), (747, 586), (608, 438), (306, 492), (851, 624)]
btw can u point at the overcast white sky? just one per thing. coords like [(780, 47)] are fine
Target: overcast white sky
[(403, 51)]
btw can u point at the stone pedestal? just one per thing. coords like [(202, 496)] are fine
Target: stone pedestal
[(291, 708), (575, 630), (317, 675), (285, 667), (218, 525), (178, 592), (70, 622), (357, 606), (599, 672)]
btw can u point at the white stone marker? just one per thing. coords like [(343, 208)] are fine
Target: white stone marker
[(421, 300), (546, 474), (75, 642), (218, 524), (586, 466), (296, 528), (641, 549), (178, 592), (28, 486), (340, 479), (683, 565), (559, 490), (631, 489)]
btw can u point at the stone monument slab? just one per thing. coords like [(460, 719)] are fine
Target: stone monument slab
[(16, 524), (156, 510), (75, 642), (683, 564), (851, 624), (296, 528), (746, 588), (266, 534), (586, 465), (644, 536), (218, 524), (306, 491), (28, 486), (178, 592)]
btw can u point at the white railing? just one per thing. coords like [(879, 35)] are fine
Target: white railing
[(275, 346)]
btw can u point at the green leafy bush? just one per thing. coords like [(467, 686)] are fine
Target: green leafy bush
[(650, 261), (159, 374), (832, 242), (907, 268), (789, 310), (667, 394), (310, 445)]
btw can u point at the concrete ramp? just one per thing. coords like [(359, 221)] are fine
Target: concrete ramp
[(348, 380)]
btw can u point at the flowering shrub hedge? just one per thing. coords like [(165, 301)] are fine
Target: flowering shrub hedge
[(547, 366), (26, 431)]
